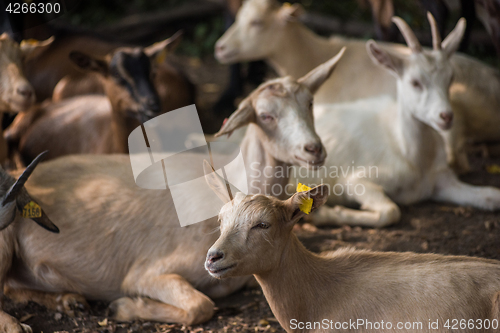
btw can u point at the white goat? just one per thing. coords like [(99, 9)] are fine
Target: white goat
[(380, 155), (377, 291), (124, 244), (266, 30)]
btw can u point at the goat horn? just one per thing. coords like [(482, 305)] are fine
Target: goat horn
[(18, 185), (436, 36), (408, 34)]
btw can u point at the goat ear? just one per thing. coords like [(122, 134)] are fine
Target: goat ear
[(158, 51), (23, 200), (383, 58), (241, 117), (32, 48), (89, 63), (18, 193), (216, 182), (289, 12), (319, 194), (451, 43), (315, 78)]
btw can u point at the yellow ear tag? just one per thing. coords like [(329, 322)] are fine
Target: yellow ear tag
[(287, 4), (493, 169), (32, 210), (30, 41), (160, 58), (307, 204)]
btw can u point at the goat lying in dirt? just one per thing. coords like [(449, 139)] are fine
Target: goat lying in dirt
[(385, 153), (312, 293), (124, 244)]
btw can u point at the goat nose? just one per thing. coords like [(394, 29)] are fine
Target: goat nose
[(214, 256), (219, 47), (314, 148), (24, 91), (446, 116)]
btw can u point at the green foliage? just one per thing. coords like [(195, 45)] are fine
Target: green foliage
[(202, 40)]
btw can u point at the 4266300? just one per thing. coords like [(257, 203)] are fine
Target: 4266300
[(456, 324), (39, 8)]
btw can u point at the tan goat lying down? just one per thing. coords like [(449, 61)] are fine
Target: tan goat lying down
[(312, 293), (124, 244)]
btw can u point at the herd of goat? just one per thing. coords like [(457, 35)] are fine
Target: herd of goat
[(408, 111)]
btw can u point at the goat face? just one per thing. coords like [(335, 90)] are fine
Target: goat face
[(16, 93), (424, 88), (281, 109), (254, 229), (131, 71), (249, 226), (259, 25), (424, 77), (129, 74)]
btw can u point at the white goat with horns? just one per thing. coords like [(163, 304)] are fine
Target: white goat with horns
[(391, 152)]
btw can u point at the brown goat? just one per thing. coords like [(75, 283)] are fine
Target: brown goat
[(131, 78), (16, 93)]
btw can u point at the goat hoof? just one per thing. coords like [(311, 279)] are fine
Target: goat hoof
[(69, 303), (26, 328), (10, 324), (122, 309)]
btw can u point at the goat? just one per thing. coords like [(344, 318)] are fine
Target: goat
[(266, 30), (124, 244), (15, 197), (16, 93), (53, 74), (173, 87), (92, 123), (393, 153), (313, 293)]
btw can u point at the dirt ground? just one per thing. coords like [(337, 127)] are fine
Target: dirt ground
[(426, 227)]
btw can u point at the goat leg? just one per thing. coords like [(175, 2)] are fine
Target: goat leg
[(450, 189), (166, 298), (65, 303), (377, 209), (8, 324)]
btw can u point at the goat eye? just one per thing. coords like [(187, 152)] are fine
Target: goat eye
[(266, 117), (261, 225), (416, 84), (256, 23)]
